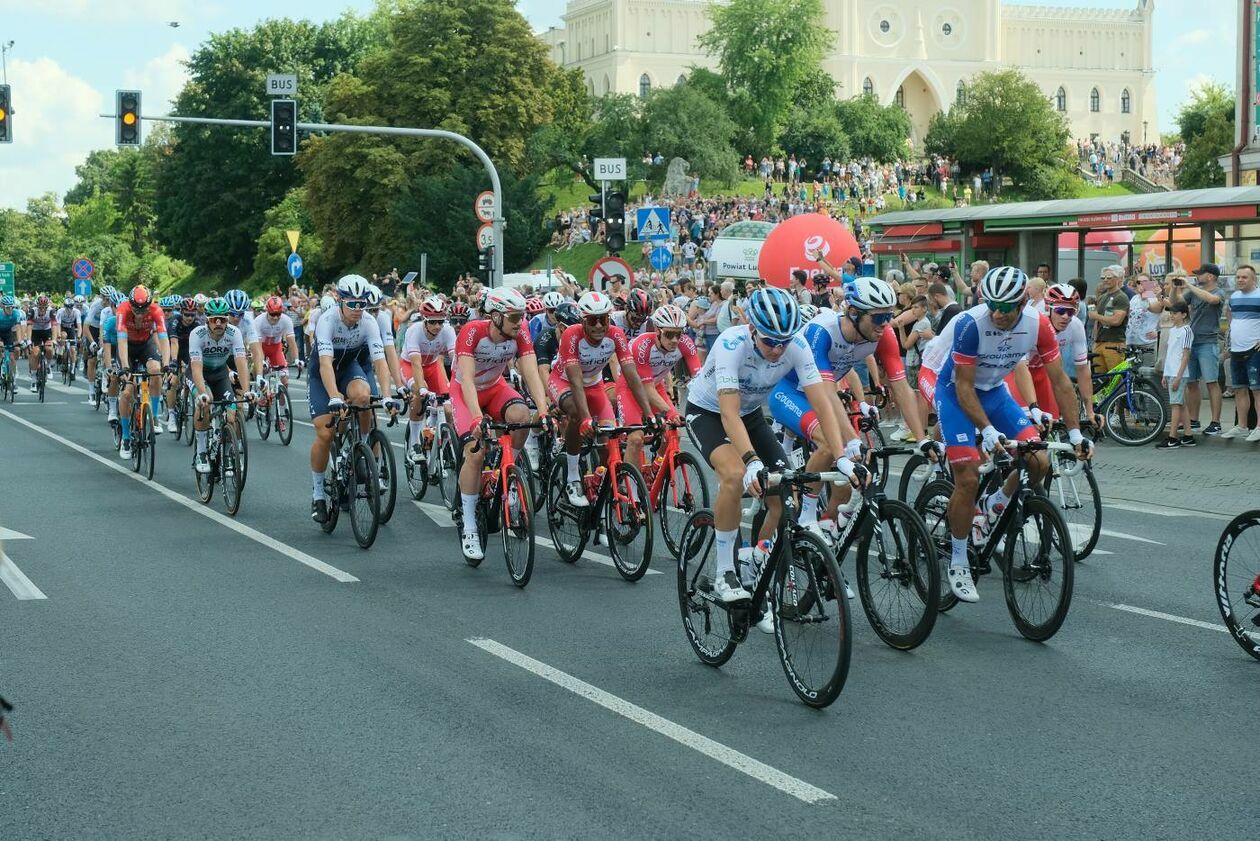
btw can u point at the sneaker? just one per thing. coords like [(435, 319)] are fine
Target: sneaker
[(902, 433), (728, 589), (1168, 444), (34, 387), (1233, 432), (319, 510), (576, 494), (766, 623), (157, 429), (1254, 436), (961, 584), (1194, 424), (471, 544), (1213, 428), (1189, 441), (124, 450), (202, 463)]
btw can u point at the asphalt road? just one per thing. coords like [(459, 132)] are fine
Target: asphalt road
[(178, 673)]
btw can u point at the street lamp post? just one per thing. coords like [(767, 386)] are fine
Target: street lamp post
[(4, 63)]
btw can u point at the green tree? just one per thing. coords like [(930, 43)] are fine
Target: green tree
[(1200, 167), (37, 244), (875, 131), (1208, 100), (815, 91), (682, 122), (815, 134), (271, 258), (766, 49), (94, 174)]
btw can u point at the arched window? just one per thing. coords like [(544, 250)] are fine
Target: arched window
[(562, 55), (590, 86), (960, 94), (607, 85), (1060, 99), (868, 87), (1094, 100), (645, 85), (1126, 102), (682, 79), (901, 96), (606, 42)]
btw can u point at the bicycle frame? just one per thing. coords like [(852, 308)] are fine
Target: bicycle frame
[(613, 438), (657, 474), (1002, 467)]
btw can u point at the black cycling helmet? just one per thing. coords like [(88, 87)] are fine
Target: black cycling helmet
[(568, 314)]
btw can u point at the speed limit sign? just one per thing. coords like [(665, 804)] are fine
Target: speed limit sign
[(485, 237)]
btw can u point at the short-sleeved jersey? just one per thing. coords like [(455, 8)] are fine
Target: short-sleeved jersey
[(249, 331), (183, 328), (385, 324), (109, 329), (342, 341), (1071, 341), (652, 362), (69, 318), (214, 354), (548, 344), (274, 332), (140, 326), (490, 358), (93, 317), (995, 352), (938, 348), (416, 340), (619, 319), (537, 324), (40, 319), (11, 319), (835, 355), (734, 362), (576, 349)]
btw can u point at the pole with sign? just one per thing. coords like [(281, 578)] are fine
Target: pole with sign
[(8, 285)]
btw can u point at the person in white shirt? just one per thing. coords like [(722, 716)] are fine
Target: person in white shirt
[(1180, 338), (1244, 350)]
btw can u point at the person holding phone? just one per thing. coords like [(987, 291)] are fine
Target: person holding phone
[(1142, 329)]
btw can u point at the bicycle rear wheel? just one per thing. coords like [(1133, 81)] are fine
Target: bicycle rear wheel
[(205, 481), (284, 415), (683, 492), (1134, 422), (706, 622), (1037, 569), (899, 576), (228, 461), (1236, 580), (386, 472), (517, 529), (915, 474), (1071, 487), (811, 620), (242, 441), (932, 505), (628, 523), (873, 440), (569, 531), (335, 493), (364, 494), (448, 465)]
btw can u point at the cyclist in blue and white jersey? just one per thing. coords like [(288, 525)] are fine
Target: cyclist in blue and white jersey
[(546, 318), (66, 328), (724, 410), (990, 340), (241, 316), (385, 326), (211, 346), (109, 356), (12, 320)]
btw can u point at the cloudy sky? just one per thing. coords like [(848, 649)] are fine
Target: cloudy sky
[(68, 57)]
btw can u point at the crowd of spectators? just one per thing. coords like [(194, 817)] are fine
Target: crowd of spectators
[(1153, 161)]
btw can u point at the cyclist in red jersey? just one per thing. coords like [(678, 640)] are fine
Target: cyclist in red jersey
[(483, 351), (142, 341), (655, 353)]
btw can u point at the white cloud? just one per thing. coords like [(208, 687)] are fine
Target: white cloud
[(56, 123), (1196, 37), (1198, 80), (112, 10), (161, 79)]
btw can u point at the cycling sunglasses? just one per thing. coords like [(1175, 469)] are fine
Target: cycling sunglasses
[(434, 322), (1004, 306), (216, 319), (1063, 310), (772, 343), (595, 320), (670, 335), (514, 317), (354, 305), (879, 319)]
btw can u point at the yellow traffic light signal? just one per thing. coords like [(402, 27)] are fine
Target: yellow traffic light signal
[(6, 110), (127, 118)]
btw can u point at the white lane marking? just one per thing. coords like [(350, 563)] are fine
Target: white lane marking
[(195, 506), (43, 403), (729, 757), (49, 384), (1126, 536), (17, 581), (1101, 552), (1168, 617), (10, 534), (588, 555), (437, 513), (1162, 510)]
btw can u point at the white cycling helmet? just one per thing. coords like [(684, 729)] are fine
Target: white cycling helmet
[(1004, 285), (79, 299), (327, 302), (353, 286), (201, 299), (595, 303), (552, 300), (669, 317), (808, 311), (870, 293), (374, 295), (503, 299)]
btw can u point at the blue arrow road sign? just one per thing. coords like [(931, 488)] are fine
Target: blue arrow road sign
[(83, 287), (295, 265), (661, 258), (653, 223)]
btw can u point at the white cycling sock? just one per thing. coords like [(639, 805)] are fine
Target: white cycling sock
[(574, 472), (204, 434), (809, 508), (726, 550), (959, 556), (317, 484), (414, 428), (470, 512)]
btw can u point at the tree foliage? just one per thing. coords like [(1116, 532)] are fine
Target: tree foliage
[(1208, 100), (1206, 122), (815, 134), (683, 122), (875, 131)]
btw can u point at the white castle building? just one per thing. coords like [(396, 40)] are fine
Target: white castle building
[(1095, 65)]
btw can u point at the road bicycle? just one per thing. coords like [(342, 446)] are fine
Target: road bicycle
[(799, 579), (1132, 410), (351, 479), (143, 431), (439, 465), (274, 410), (868, 431), (1236, 580), (386, 465), (505, 504), (676, 483), (1029, 542), (226, 457), (618, 505), (65, 362), (1071, 486), (8, 383), (42, 371)]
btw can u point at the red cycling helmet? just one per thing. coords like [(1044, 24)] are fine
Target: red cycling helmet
[(637, 303), (534, 306), (459, 310), (275, 306), (1062, 295), (42, 301), (140, 297), (433, 307)]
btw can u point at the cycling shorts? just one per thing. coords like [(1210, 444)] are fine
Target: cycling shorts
[(347, 372), (791, 408), (95, 332), (138, 353), (597, 403), (70, 334), (631, 414), (39, 337), (959, 433), (492, 401), (6, 338), (707, 428), (434, 375), (219, 382), (273, 355), (1043, 390)]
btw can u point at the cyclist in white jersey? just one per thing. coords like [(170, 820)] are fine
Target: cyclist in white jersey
[(385, 326), (211, 347), (427, 344), (724, 409), (242, 317), (989, 341), (276, 335)]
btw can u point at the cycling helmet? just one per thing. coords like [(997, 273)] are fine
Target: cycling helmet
[(188, 305), (1062, 295), (275, 306), (8, 301), (165, 302), (107, 292), (117, 298), (505, 299), (773, 313), (568, 314), (638, 302), (1004, 284), (552, 300), (433, 307), (374, 295), (869, 293), (200, 299), (669, 317), (140, 297), (808, 311), (459, 311), (595, 303), (352, 286), (79, 299), (42, 301), (218, 306), (534, 306), (327, 303), (237, 301)]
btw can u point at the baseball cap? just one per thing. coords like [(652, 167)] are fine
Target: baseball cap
[(1209, 268), (856, 262)]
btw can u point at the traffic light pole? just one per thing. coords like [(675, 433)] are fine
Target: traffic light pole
[(395, 131)]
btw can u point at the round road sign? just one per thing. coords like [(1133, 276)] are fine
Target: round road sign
[(485, 237), (82, 268), (484, 206), (605, 269)]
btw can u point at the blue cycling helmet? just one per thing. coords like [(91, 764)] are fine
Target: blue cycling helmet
[(107, 292), (117, 298), (8, 301), (237, 301), (773, 313)]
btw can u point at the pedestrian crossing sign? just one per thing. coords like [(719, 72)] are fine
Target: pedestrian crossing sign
[(653, 223)]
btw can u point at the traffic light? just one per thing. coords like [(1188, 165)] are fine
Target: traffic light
[(6, 118), (485, 261), (127, 118), (284, 127), (615, 221)]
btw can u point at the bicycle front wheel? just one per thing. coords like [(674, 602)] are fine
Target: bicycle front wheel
[(1072, 488), (387, 472), (447, 468), (1037, 569), (706, 622), (1236, 580), (415, 474), (284, 415), (811, 620), (899, 576), (873, 440), (568, 525), (205, 481), (364, 492), (932, 505), (517, 527), (1134, 420), (262, 419), (683, 492), (228, 460), (628, 523)]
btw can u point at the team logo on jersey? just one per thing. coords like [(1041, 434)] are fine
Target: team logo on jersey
[(732, 344)]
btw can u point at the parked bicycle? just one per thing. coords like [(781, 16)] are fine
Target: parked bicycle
[(1236, 580), (1132, 410)]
